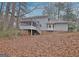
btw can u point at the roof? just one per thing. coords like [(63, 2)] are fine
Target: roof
[(50, 21), (35, 17), (56, 22), (27, 21)]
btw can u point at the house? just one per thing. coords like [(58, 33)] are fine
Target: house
[(42, 23)]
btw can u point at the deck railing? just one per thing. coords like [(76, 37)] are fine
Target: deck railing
[(29, 25)]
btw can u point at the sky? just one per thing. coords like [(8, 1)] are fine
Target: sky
[(36, 12)]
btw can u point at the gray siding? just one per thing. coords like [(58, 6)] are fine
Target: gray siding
[(43, 22), (61, 27)]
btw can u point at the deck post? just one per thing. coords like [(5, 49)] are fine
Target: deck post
[(31, 28)]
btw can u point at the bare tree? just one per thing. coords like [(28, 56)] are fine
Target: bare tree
[(60, 6), (1, 7), (12, 19), (22, 11), (6, 18), (12, 11), (1, 15), (69, 15)]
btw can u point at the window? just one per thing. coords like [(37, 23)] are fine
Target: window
[(52, 25), (49, 25), (38, 22), (34, 24), (40, 25), (48, 19)]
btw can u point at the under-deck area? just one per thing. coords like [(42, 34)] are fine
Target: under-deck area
[(33, 32)]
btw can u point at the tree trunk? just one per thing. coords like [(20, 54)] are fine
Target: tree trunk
[(12, 19), (6, 18), (58, 13), (18, 17), (1, 16)]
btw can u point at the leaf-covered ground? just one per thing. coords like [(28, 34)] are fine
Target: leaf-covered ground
[(47, 44)]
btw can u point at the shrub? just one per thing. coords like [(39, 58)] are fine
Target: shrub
[(72, 27), (9, 33)]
